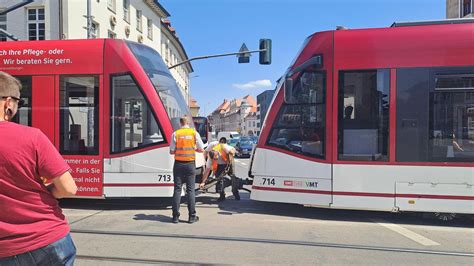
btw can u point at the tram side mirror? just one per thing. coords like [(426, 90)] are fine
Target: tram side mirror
[(288, 90)]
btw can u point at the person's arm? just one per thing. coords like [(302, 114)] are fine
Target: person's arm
[(63, 186), (52, 168), (199, 143), (205, 175), (229, 149), (173, 143)]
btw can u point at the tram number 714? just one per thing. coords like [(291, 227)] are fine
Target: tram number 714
[(268, 181), (164, 178)]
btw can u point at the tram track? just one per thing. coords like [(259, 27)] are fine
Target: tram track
[(276, 242), (132, 260)]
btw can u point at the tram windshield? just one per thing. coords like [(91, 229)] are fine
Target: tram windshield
[(163, 82)]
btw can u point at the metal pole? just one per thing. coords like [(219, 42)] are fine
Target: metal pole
[(212, 56), (89, 20)]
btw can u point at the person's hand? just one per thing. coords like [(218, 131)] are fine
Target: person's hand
[(201, 186)]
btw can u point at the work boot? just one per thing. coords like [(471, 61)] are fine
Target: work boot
[(175, 219), (193, 219), (221, 198)]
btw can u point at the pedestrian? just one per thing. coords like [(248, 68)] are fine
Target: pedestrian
[(185, 142), (223, 162), (33, 229)]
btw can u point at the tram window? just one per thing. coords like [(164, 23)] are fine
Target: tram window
[(413, 86), (363, 115), (451, 124), (300, 124), (435, 115), (79, 115), (23, 115), (132, 121)]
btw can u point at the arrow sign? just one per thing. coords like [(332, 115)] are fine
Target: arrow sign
[(244, 57)]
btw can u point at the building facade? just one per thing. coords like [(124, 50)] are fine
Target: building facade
[(231, 114), (143, 21), (250, 125), (263, 103), (173, 53), (459, 8)]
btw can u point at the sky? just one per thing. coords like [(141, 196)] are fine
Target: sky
[(207, 27)]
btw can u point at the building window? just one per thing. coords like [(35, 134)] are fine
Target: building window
[(111, 4), (111, 35), (363, 115), (149, 25), (3, 26), (126, 10), (36, 25), (139, 20), (133, 124), (466, 7), (95, 33), (300, 124), (79, 115)]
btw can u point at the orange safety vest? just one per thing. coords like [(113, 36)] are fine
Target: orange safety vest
[(219, 151), (185, 145)]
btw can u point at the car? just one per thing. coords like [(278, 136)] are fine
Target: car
[(228, 135), (232, 142), (245, 146)]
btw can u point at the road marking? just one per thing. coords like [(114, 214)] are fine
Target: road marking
[(407, 233), (243, 163)]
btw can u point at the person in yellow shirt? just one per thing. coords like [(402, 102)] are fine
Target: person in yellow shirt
[(185, 142)]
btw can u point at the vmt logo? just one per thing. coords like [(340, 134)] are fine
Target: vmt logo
[(312, 184)]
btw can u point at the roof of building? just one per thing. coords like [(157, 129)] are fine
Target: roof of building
[(158, 8), (193, 103)]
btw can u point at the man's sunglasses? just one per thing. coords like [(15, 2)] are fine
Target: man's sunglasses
[(21, 102)]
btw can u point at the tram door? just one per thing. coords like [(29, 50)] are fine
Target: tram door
[(66, 108)]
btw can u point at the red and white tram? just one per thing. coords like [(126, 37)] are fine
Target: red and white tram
[(109, 106), (374, 119)]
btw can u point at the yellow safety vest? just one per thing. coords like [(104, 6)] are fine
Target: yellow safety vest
[(218, 149), (185, 145)]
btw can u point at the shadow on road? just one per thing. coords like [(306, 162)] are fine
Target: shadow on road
[(245, 205)]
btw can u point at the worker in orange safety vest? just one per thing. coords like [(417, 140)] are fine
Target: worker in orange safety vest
[(185, 142)]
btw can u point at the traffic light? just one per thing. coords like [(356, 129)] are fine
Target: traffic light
[(265, 56), (137, 114)]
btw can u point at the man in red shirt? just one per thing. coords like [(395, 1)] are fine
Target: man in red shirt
[(33, 229)]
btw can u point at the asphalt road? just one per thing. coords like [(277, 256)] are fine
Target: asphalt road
[(125, 232)]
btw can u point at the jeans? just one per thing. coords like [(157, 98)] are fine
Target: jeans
[(61, 252), (184, 172), (223, 183)]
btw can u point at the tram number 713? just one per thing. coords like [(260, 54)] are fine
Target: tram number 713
[(164, 178), (268, 181)]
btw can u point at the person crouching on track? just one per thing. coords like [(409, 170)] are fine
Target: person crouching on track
[(225, 154), (185, 142), (33, 229)]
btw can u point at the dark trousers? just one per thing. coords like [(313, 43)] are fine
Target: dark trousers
[(61, 252), (184, 172), (221, 185)]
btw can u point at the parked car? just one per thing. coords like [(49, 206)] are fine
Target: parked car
[(245, 146), (233, 142)]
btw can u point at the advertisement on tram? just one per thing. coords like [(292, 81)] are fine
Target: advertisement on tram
[(109, 107)]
